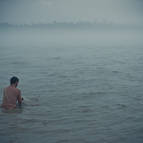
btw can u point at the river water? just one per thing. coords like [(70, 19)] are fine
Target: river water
[(79, 86)]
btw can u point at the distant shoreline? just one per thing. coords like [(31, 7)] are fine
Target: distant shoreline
[(80, 25)]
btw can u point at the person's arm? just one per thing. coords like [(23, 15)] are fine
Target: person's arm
[(19, 98)]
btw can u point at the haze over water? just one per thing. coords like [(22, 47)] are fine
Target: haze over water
[(79, 86)]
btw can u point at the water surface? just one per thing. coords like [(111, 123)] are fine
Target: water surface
[(78, 86)]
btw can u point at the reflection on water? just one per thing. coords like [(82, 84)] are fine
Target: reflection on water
[(76, 89)]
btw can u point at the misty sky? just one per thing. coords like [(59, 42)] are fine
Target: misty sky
[(45, 11)]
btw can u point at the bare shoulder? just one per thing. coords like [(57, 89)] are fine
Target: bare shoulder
[(18, 91)]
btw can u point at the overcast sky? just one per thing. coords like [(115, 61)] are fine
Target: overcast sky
[(45, 11)]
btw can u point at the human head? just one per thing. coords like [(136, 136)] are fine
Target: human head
[(14, 81)]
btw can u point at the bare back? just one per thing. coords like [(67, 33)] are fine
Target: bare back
[(10, 96)]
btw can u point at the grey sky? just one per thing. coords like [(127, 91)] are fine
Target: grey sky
[(45, 11)]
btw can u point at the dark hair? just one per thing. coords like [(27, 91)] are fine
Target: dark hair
[(13, 80)]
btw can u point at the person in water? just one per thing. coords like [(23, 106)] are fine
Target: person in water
[(12, 95)]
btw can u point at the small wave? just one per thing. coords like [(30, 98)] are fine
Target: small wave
[(31, 101), (116, 72), (83, 109), (89, 94), (63, 141), (56, 58), (121, 106)]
